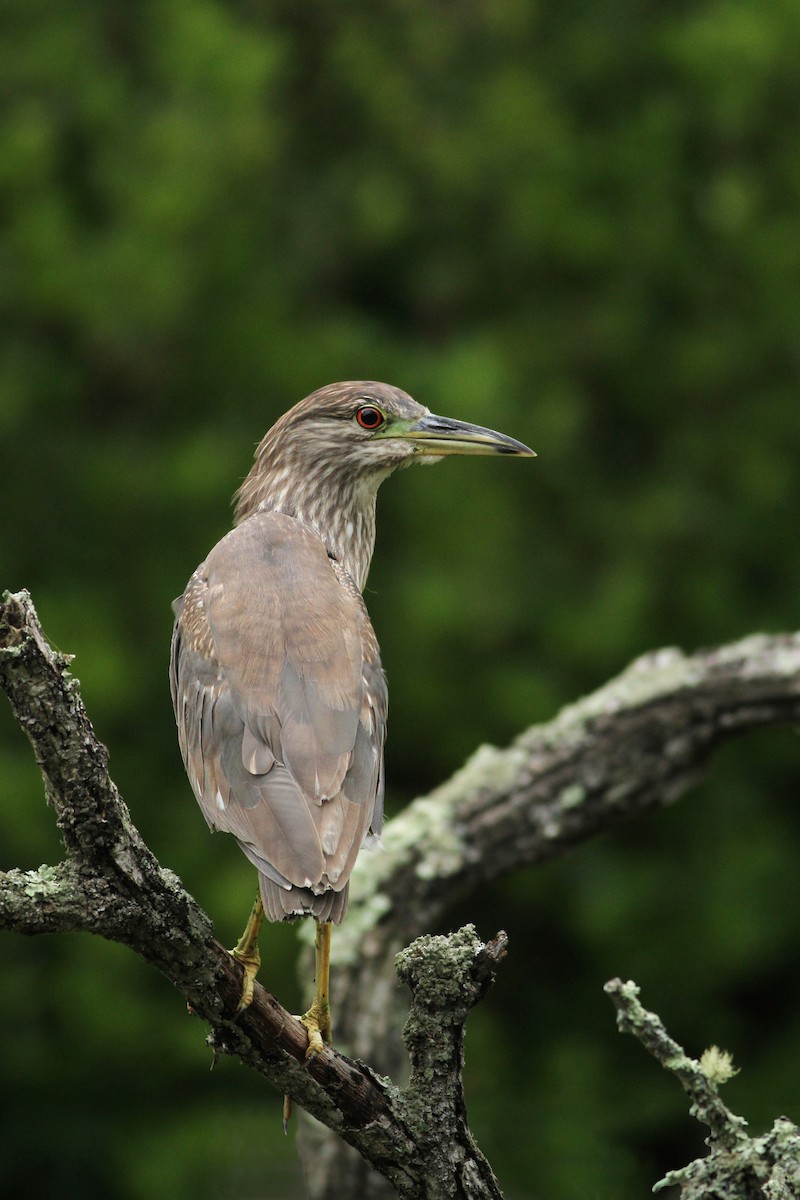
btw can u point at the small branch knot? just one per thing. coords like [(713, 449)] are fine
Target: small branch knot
[(450, 974), (447, 977)]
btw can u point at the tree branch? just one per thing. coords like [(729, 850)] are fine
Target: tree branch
[(736, 1165), (447, 976), (638, 743)]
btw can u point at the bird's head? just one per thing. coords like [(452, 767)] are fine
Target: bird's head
[(365, 426), (348, 433)]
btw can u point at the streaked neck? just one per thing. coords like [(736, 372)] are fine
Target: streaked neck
[(337, 505)]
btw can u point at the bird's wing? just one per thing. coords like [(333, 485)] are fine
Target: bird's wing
[(280, 702)]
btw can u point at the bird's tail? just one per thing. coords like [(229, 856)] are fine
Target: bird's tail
[(287, 904)]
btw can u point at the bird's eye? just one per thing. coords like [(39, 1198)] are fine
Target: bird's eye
[(369, 417)]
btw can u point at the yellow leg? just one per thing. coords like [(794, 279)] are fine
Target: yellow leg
[(318, 1018), (247, 953)]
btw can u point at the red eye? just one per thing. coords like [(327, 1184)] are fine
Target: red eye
[(369, 417)]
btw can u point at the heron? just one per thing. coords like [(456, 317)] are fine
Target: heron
[(280, 698)]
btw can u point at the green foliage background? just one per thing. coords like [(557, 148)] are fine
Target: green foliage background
[(576, 222)]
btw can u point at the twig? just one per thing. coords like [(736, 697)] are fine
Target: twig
[(737, 1166), (726, 1129)]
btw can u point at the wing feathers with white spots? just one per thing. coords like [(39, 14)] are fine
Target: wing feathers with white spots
[(280, 702)]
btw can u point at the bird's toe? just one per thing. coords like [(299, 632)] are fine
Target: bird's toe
[(318, 1026)]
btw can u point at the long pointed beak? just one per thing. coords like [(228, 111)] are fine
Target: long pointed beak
[(441, 435)]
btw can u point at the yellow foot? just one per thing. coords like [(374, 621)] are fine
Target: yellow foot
[(318, 1023), (251, 962), (246, 952)]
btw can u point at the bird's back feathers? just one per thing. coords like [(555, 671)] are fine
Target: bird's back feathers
[(280, 702)]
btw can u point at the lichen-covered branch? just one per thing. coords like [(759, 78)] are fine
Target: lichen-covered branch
[(447, 977), (632, 1017), (737, 1165), (638, 743)]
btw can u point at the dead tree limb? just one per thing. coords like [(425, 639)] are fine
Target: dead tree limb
[(638, 743)]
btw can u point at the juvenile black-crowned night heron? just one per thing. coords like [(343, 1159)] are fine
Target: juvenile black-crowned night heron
[(276, 677)]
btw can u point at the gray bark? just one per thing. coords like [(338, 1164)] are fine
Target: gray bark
[(634, 745)]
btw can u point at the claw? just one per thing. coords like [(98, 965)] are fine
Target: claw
[(250, 962), (318, 1024), (247, 953)]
